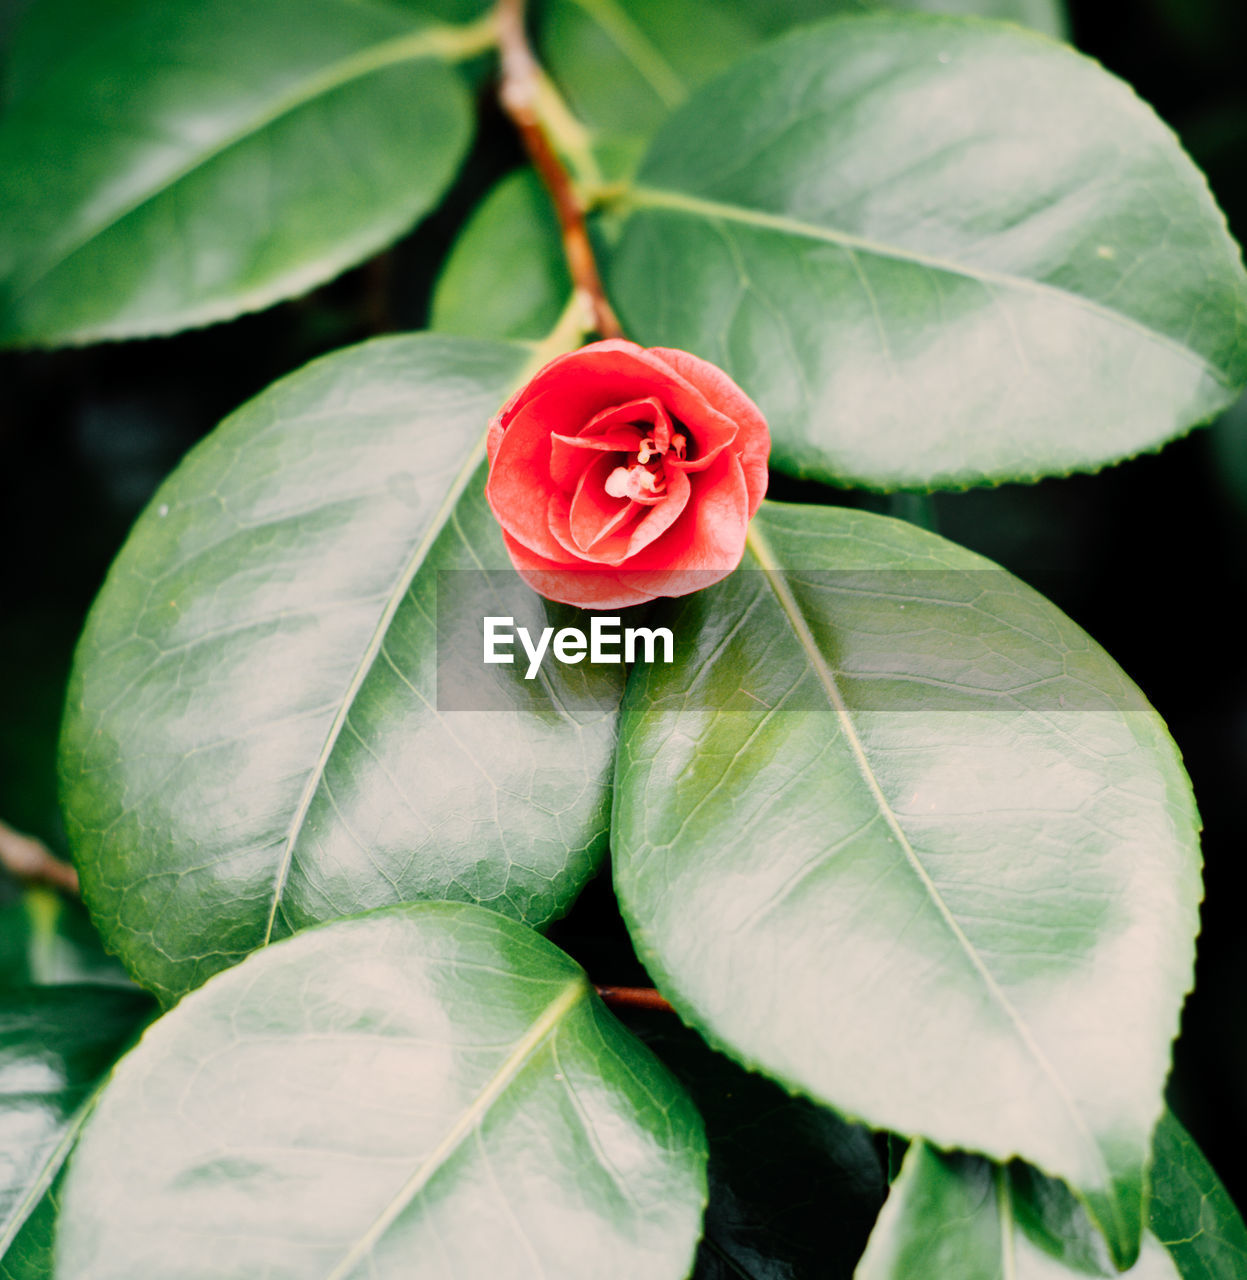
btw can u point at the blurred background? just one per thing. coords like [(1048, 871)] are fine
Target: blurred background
[(1149, 557)]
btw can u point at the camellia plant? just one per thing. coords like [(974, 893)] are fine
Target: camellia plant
[(911, 865)]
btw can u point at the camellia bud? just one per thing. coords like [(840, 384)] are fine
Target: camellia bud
[(620, 473)]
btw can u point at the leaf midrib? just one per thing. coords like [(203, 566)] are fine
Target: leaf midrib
[(394, 600), (622, 31), (1004, 1212), (643, 197), (447, 43), (564, 336), (546, 1024), (773, 573), (51, 1166)]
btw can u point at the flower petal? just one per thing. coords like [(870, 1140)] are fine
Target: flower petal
[(605, 374), (572, 438), (753, 440), (570, 455), (587, 586), (519, 481), (593, 514), (710, 539), (658, 519)]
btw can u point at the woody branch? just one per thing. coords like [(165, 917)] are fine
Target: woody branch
[(32, 861), (520, 92), (633, 998)]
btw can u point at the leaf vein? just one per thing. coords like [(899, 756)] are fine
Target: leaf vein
[(695, 206), (773, 573)]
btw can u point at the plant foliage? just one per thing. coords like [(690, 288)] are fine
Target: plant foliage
[(904, 848)]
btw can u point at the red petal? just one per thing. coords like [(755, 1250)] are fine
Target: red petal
[(710, 538), (606, 374), (570, 455), (658, 519), (519, 479), (753, 440), (594, 514), (648, 414), (589, 587), (590, 398)]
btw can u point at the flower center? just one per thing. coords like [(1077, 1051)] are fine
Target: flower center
[(634, 482), (645, 479)]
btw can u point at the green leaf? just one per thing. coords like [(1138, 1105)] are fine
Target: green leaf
[(30, 1255), (505, 277), (430, 1090), (47, 939), (897, 832), (55, 1045), (1190, 1211), (937, 252), (951, 1214), (461, 11), (1047, 16), (625, 64), (177, 162), (794, 1189), (960, 1215), (254, 740)]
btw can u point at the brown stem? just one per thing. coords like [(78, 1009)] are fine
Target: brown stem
[(32, 861), (518, 93), (633, 998)]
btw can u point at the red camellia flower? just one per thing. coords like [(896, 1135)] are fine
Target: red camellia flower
[(621, 473)]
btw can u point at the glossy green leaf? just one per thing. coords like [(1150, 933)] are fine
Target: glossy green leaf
[(625, 64), (505, 277), (253, 740), (29, 1257), (175, 162), (1047, 16), (47, 939), (794, 1189), (1190, 1211), (957, 1215), (55, 1045), (937, 252), (427, 1091), (897, 832), (459, 11)]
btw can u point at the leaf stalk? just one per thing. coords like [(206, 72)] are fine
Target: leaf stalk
[(32, 861), (529, 99)]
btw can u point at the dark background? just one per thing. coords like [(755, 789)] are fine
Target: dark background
[(1150, 556)]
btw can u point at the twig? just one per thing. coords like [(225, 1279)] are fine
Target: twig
[(34, 862), (634, 998), (520, 95)]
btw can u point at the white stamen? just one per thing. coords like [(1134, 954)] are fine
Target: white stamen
[(617, 483), (632, 482)]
